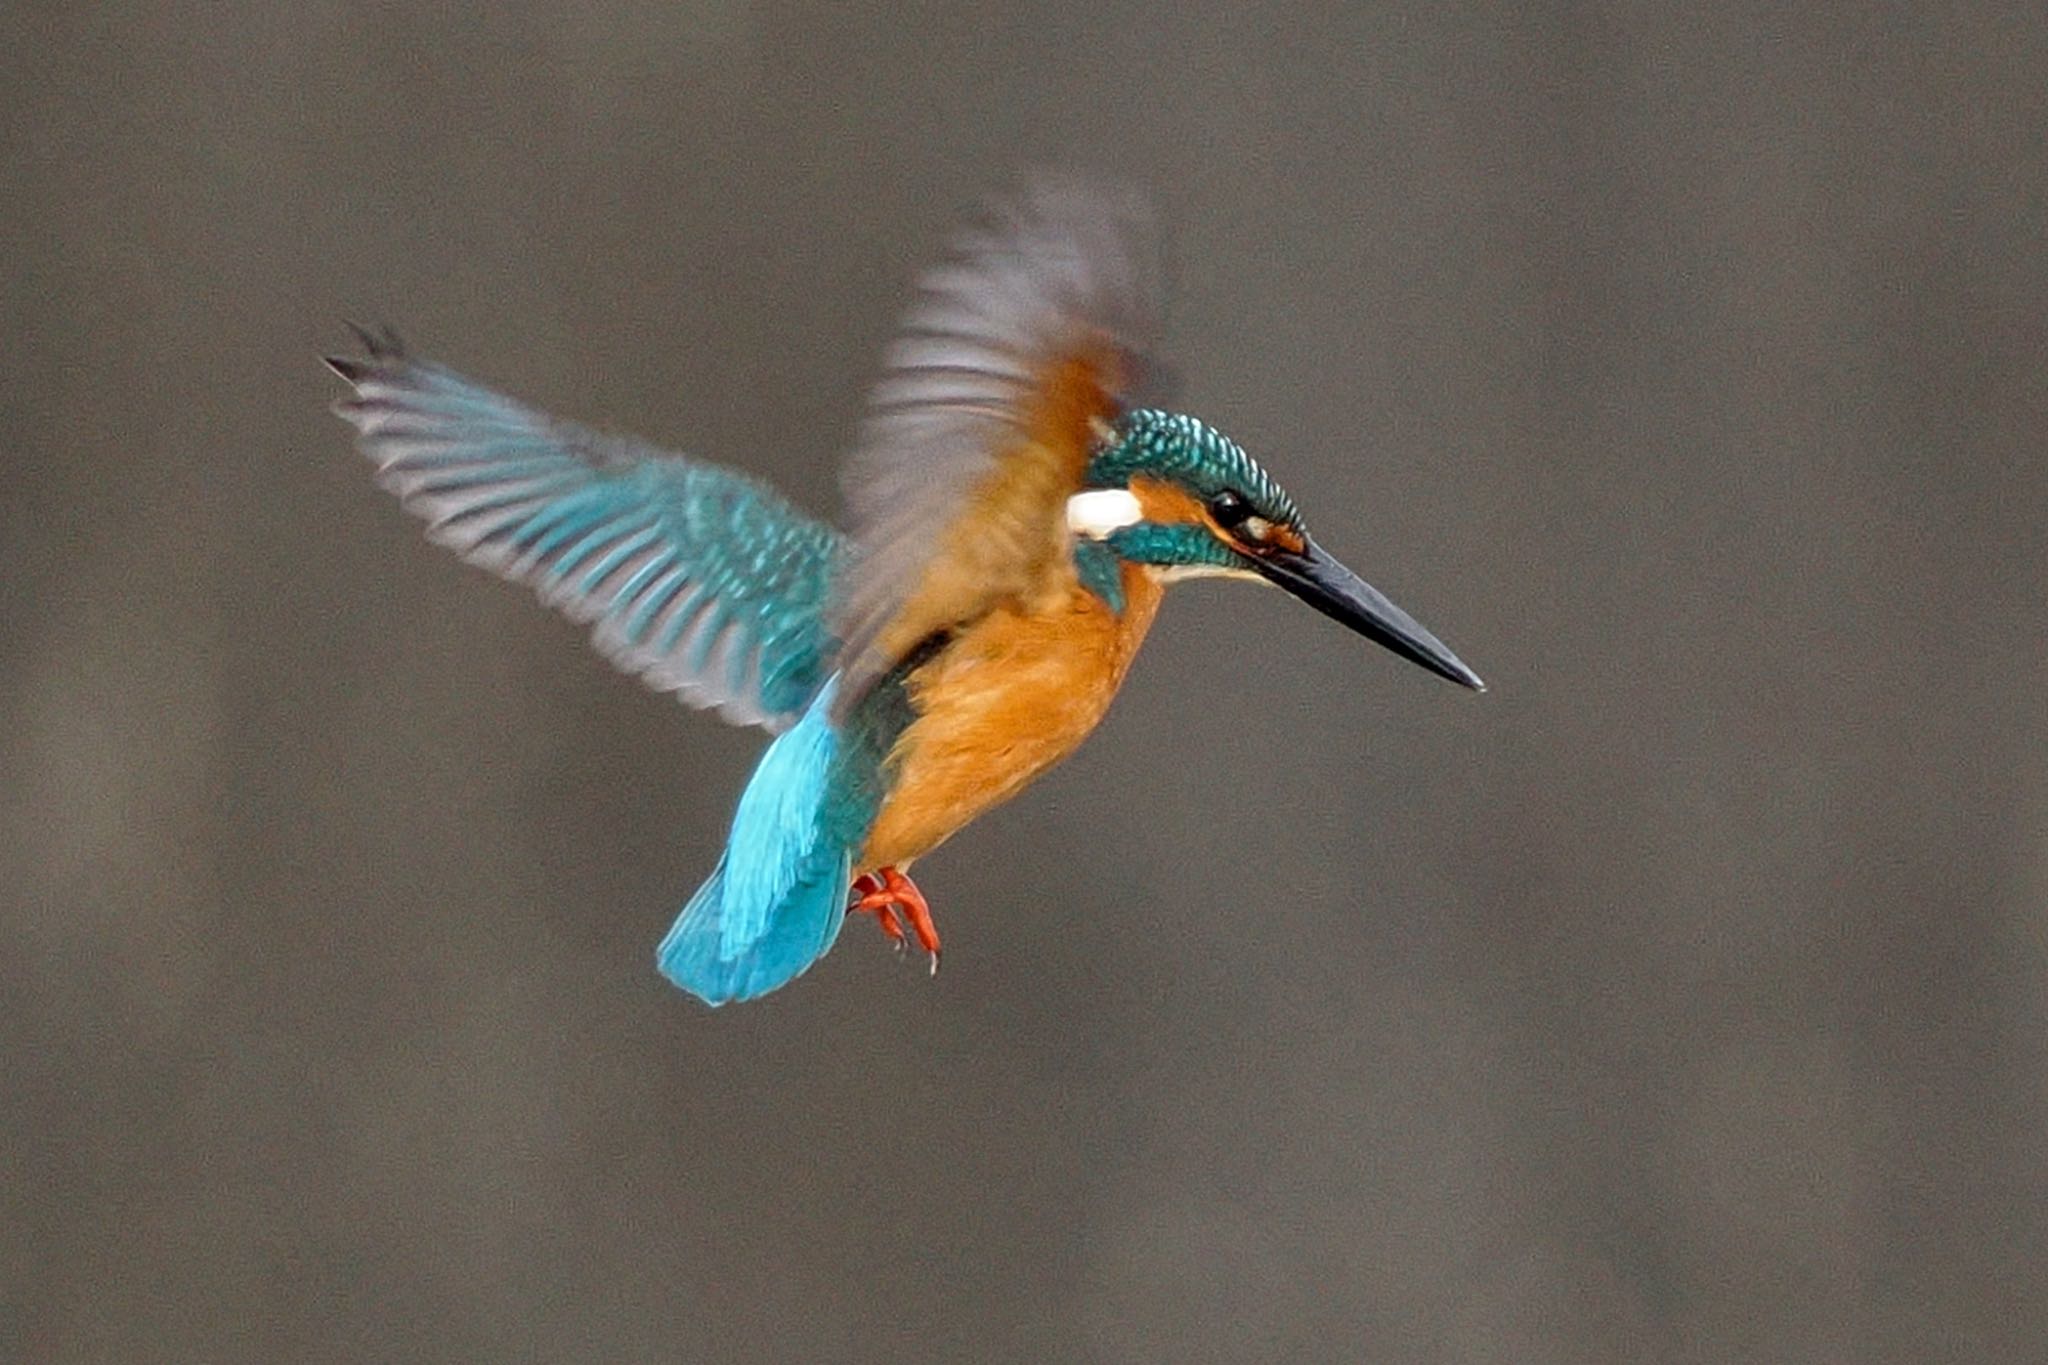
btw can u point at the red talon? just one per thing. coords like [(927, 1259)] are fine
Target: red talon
[(869, 897), (893, 898)]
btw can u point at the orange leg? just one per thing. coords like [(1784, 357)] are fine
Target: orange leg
[(893, 899)]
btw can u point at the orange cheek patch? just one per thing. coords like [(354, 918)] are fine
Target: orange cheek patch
[(1171, 505), (1167, 504)]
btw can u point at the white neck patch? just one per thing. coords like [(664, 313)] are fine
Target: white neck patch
[(1100, 511), (1181, 573)]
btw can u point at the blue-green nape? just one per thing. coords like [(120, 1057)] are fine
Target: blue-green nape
[(1098, 572)]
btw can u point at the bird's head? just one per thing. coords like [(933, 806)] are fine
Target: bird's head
[(1170, 492)]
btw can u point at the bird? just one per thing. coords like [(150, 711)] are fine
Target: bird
[(1015, 515)]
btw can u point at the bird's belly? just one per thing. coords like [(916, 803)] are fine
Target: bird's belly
[(1009, 697)]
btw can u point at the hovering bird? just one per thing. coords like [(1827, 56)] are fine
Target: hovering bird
[(1015, 520)]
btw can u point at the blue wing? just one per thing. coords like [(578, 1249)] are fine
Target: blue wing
[(700, 580)]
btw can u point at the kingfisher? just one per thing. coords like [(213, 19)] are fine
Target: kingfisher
[(1015, 516)]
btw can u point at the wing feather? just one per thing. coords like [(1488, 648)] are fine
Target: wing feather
[(697, 579), (1017, 352)]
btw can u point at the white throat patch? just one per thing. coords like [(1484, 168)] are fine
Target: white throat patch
[(1181, 573), (1100, 511)]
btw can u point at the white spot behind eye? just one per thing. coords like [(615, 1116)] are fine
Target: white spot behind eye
[(1100, 511)]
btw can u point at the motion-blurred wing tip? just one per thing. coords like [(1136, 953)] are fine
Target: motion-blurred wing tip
[(354, 371), (381, 342)]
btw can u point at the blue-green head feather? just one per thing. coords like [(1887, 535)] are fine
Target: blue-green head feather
[(1203, 498), (1186, 451), (1171, 492)]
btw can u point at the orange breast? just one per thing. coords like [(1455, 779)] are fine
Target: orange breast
[(1008, 698)]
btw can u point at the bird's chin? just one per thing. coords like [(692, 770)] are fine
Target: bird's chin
[(1181, 573)]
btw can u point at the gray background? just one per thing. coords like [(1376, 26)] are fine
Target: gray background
[(1684, 998)]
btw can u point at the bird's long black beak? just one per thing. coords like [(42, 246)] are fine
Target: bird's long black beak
[(1329, 587)]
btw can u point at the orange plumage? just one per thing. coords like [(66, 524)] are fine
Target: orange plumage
[(1009, 697)]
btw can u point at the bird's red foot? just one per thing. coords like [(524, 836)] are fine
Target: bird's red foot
[(896, 903)]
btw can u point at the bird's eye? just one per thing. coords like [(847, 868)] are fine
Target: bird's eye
[(1229, 509)]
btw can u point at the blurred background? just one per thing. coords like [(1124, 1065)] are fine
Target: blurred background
[(1684, 998)]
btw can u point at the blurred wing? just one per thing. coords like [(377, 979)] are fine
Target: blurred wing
[(1016, 354), (699, 580)]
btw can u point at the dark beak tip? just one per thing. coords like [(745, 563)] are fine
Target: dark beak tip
[(1323, 583), (1454, 669)]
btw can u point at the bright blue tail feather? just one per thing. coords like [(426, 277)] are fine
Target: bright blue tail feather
[(799, 931), (776, 901)]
